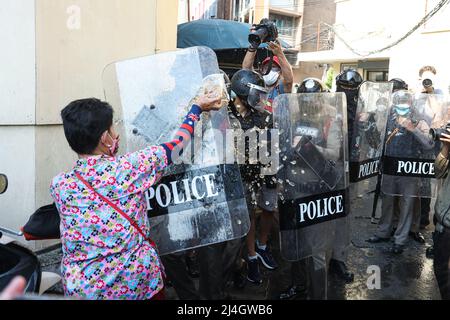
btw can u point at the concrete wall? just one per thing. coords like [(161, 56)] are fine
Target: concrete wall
[(261, 10), (56, 52), (313, 14), (17, 59)]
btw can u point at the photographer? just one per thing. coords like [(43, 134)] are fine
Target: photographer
[(280, 78), (427, 79), (441, 237), (427, 75)]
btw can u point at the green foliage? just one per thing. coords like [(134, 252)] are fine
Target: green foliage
[(330, 78)]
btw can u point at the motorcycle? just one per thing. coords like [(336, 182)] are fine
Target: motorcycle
[(17, 260)]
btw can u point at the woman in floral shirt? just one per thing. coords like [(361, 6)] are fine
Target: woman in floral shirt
[(104, 256)]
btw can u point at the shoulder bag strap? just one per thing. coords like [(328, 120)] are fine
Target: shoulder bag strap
[(123, 214)]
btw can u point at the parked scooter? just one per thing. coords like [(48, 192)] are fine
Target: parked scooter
[(17, 260)]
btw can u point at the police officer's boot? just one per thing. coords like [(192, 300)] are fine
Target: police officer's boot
[(340, 269)]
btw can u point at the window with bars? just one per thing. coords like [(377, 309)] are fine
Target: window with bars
[(285, 24)]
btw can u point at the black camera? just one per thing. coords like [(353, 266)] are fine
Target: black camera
[(436, 134), (427, 83), (265, 31)]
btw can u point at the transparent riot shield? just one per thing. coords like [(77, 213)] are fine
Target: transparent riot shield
[(312, 176), (367, 138), (200, 199), (411, 149)]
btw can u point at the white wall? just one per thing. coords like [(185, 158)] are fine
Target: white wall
[(370, 25), (17, 59), (17, 148), (47, 60)]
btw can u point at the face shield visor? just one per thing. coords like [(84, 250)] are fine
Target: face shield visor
[(256, 96)]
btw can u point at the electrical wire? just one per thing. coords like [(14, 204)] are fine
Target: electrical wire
[(426, 18)]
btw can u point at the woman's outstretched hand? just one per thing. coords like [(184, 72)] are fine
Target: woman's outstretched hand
[(210, 101)]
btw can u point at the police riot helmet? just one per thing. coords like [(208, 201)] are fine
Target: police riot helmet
[(402, 101), (248, 86), (311, 85), (399, 84), (402, 97), (350, 78)]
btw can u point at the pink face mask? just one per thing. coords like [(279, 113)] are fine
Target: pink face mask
[(114, 148)]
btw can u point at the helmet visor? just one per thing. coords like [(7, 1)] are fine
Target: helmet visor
[(256, 95)]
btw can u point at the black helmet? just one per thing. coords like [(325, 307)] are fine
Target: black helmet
[(248, 85), (311, 85), (349, 78), (399, 84)]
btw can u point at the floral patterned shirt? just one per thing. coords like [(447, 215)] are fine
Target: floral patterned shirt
[(104, 256)]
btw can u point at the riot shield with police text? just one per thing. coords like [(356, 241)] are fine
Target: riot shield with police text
[(200, 199), (367, 138), (411, 150), (313, 178)]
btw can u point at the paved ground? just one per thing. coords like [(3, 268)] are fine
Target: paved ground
[(406, 276)]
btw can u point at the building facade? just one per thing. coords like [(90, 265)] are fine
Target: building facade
[(362, 27), (54, 52), (287, 15), (190, 10)]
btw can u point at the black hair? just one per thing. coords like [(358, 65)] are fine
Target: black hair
[(84, 123)]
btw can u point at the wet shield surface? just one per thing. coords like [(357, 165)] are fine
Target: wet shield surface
[(367, 138), (312, 176), (200, 199), (410, 150)]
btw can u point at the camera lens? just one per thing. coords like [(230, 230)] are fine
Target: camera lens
[(436, 134), (258, 37), (427, 83)]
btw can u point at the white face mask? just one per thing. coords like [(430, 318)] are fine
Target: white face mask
[(271, 78)]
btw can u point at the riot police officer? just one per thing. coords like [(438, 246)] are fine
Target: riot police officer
[(246, 111), (349, 83), (407, 138), (308, 275)]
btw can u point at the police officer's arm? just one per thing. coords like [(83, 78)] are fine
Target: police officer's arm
[(420, 131), (286, 68), (441, 164), (331, 152)]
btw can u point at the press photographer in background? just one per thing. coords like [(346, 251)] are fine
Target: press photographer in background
[(280, 78), (427, 79), (427, 90), (441, 236)]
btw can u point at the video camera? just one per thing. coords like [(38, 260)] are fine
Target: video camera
[(436, 134), (3, 183), (427, 83), (265, 31)]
